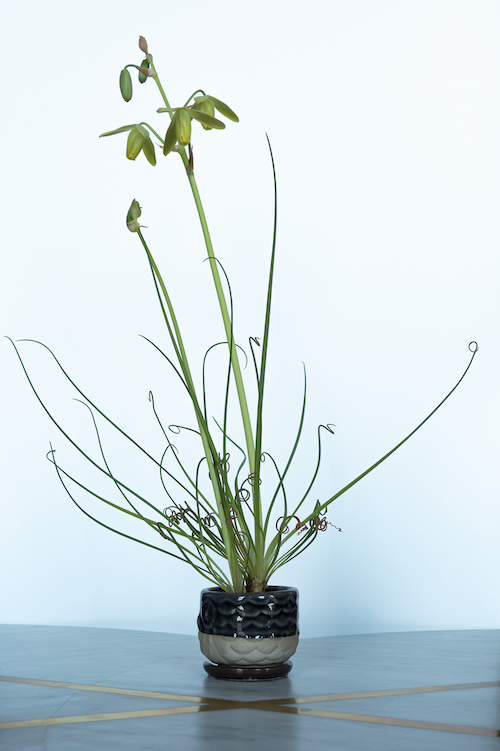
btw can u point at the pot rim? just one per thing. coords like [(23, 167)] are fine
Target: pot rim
[(272, 588)]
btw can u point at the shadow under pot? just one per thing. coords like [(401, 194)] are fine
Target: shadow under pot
[(248, 635)]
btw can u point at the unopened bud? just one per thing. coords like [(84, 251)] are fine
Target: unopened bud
[(142, 76), (143, 45), (126, 85), (133, 215), (145, 71), (134, 211)]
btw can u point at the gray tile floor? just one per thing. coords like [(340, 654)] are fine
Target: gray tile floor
[(148, 691)]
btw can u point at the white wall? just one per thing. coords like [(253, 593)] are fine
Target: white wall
[(384, 120)]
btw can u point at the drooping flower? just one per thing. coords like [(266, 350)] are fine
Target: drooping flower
[(135, 141), (204, 104), (182, 126), (138, 140), (179, 130), (208, 103)]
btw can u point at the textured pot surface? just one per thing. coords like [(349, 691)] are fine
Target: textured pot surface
[(270, 614), (225, 650), (248, 635)]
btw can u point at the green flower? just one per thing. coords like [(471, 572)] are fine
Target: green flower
[(208, 104), (204, 104), (182, 126), (179, 130), (138, 140), (135, 141)]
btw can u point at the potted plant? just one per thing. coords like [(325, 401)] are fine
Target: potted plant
[(222, 519)]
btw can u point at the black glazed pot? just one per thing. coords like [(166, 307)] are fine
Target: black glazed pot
[(248, 635)]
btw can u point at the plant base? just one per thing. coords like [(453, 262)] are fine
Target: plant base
[(236, 673)]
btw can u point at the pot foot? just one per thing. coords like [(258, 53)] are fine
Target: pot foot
[(248, 673)]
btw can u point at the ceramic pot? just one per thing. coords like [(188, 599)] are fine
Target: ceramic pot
[(248, 635)]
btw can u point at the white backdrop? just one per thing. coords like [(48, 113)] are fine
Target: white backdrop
[(384, 120)]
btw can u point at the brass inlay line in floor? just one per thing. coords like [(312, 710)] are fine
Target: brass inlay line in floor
[(284, 705), (103, 689), (97, 717), (246, 705), (401, 723), (393, 692), (289, 700)]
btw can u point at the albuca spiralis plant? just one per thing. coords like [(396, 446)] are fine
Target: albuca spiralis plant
[(235, 518)]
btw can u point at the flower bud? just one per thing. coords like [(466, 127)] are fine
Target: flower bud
[(142, 76), (143, 45), (133, 215), (134, 211), (126, 85)]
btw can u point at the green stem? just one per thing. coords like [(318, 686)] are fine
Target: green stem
[(153, 131), (198, 91), (220, 296), (259, 532), (208, 445), (247, 426)]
